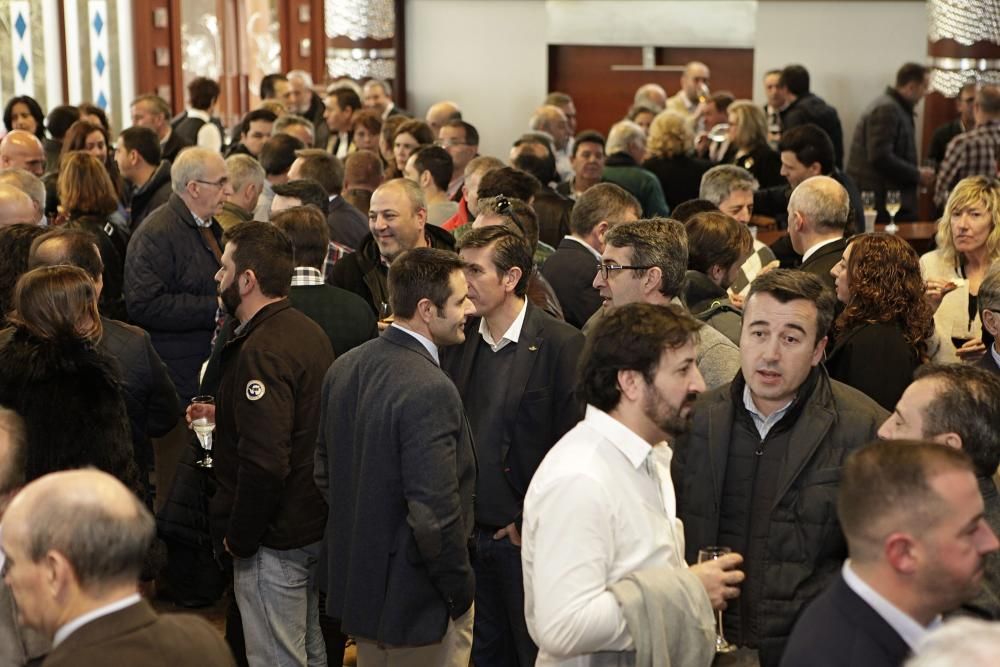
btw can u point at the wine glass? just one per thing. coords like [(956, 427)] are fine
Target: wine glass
[(892, 204), (203, 426), (712, 553), (868, 202), (719, 133)]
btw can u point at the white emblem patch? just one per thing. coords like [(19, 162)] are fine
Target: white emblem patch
[(255, 390)]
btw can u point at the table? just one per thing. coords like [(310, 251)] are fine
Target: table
[(920, 235)]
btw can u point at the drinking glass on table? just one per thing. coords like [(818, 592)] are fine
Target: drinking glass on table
[(868, 202), (203, 424), (892, 205), (712, 553)]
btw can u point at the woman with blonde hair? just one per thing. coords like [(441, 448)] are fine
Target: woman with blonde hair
[(671, 158), (748, 147), (968, 243)]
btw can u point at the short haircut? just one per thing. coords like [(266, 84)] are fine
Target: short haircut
[(60, 118), (655, 242), (722, 180), (290, 119), (53, 302), (988, 99), (63, 245), (715, 239), (144, 141), (189, 166), (588, 137), (787, 285), (104, 547), (264, 249), (989, 292), (438, 162), (968, 403), (910, 73), (828, 208), (960, 641), (154, 102), (810, 144), (369, 119), (322, 167), (670, 135), (347, 98), (84, 186), (278, 153), (417, 129), (510, 182), (885, 487), (256, 115), (26, 182), (202, 92), (722, 99), (414, 195), (267, 87), (515, 213), (796, 79), (243, 170), (88, 109), (306, 228), (482, 164), (14, 464), (630, 338), (637, 110), (509, 250), (305, 190), (622, 135), (363, 168), (421, 273), (542, 168), (471, 133), (604, 201), (557, 99), (685, 210)]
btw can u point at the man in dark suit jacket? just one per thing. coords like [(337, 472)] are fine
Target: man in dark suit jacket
[(571, 269), (348, 226), (817, 213), (88, 603), (914, 524), (396, 464), (516, 373)]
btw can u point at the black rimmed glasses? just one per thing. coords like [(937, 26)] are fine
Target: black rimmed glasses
[(221, 183), (605, 269)]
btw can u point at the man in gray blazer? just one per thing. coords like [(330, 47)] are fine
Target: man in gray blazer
[(396, 465)]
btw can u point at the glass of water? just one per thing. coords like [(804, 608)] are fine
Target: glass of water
[(203, 424)]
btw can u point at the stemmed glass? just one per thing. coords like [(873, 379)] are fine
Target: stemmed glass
[(892, 204), (868, 202), (203, 425), (712, 553)]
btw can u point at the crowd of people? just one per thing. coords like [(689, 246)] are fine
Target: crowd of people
[(389, 398)]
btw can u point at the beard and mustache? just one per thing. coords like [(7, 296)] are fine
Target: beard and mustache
[(673, 421), (231, 298)]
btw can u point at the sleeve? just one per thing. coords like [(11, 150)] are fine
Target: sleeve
[(163, 408), (881, 137), (209, 137), (571, 535), (654, 203), (321, 471)]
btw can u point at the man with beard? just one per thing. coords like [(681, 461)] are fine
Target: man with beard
[(266, 511), (601, 506), (758, 472)]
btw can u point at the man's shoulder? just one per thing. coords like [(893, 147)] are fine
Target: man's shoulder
[(340, 298)]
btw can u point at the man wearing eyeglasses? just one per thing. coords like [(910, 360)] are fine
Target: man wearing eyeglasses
[(171, 263)]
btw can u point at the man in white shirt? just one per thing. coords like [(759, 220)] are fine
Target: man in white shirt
[(913, 518), (601, 505)]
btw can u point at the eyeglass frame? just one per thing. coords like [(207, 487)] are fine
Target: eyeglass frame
[(221, 183), (606, 269)]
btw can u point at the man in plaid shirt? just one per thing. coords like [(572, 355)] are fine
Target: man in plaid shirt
[(974, 153)]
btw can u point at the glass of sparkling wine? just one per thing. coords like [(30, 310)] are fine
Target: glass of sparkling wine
[(707, 554), (203, 425), (868, 201), (892, 204)]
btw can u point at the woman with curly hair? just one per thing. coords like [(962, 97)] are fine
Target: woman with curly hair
[(882, 335), (748, 147), (671, 150), (968, 244)]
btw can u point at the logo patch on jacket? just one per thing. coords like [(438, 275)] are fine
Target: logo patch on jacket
[(255, 390)]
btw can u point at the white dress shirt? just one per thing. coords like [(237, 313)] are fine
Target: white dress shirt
[(65, 631), (600, 506), (905, 626), (512, 334), (428, 344)]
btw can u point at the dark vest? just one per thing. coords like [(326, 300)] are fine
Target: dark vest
[(189, 127)]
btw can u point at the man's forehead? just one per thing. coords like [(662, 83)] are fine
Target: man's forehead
[(616, 253), (763, 307)]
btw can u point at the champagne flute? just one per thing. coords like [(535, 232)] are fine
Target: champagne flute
[(203, 426), (712, 553), (892, 205), (868, 201)]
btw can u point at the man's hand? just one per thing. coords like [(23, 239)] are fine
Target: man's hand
[(926, 176), (972, 351), (509, 531), (199, 410), (720, 578)]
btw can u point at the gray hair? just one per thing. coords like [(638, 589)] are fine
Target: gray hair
[(722, 180), (823, 201), (644, 96), (27, 183), (622, 135), (302, 75), (243, 170), (970, 642), (656, 242), (189, 166), (290, 119), (989, 290), (381, 83)]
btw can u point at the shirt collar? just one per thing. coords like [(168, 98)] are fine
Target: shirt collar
[(512, 335), (994, 353), (423, 340), (763, 424), (199, 222), (306, 275), (909, 630), (812, 251), (80, 621), (585, 245), (627, 441), (199, 114)]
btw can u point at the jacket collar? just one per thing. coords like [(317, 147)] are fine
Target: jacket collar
[(620, 159), (105, 628), (403, 339), (699, 287), (262, 315), (900, 100)]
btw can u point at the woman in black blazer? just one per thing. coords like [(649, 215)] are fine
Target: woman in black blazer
[(881, 336), (748, 144), (671, 147)]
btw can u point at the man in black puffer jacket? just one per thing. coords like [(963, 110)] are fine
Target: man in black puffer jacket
[(804, 107), (759, 469)]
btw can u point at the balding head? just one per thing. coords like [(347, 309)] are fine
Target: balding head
[(818, 209), (694, 81), (27, 183), (440, 113), (552, 120), (22, 150), (651, 95), (16, 207)]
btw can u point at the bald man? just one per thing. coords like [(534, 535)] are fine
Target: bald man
[(23, 150), (30, 185), (817, 216), (82, 592), (552, 120), (651, 95), (440, 113), (694, 87), (16, 207)]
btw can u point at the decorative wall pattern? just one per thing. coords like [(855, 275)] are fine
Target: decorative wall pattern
[(20, 48), (100, 72), (364, 22), (971, 23)]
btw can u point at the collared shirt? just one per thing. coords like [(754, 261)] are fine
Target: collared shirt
[(763, 424), (996, 355), (80, 621), (208, 134), (585, 245), (335, 253), (423, 340), (600, 507), (512, 334), (905, 626), (303, 276), (812, 251), (199, 222), (974, 153)]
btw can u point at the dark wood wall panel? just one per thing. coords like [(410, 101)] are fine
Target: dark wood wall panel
[(157, 50)]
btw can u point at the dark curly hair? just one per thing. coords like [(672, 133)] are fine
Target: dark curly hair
[(886, 286)]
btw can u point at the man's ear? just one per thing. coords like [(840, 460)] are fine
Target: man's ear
[(717, 273), (953, 440), (426, 310), (652, 280), (630, 383)]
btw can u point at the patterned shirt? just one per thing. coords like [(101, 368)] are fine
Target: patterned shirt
[(306, 276), (335, 253), (974, 153)]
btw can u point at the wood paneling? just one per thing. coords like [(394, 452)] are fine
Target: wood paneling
[(150, 77)]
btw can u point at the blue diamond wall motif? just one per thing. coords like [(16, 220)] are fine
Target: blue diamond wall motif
[(98, 23), (22, 68), (102, 101), (99, 63), (20, 25)]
